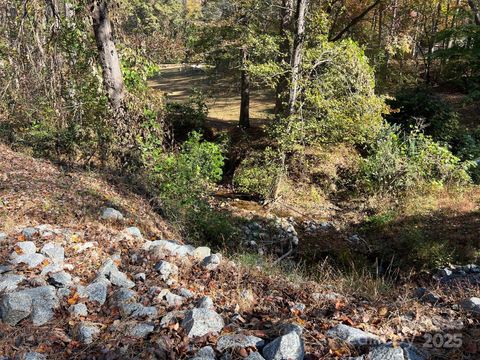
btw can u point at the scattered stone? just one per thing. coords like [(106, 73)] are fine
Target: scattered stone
[(445, 272), (142, 330), (44, 301), (5, 268), (26, 253), (110, 271), (122, 296), (255, 356), (161, 248), (201, 253), (199, 322), (384, 352), (285, 329), (53, 267), (166, 270), (172, 316), (239, 341), (34, 356), (352, 336), (63, 292), (289, 346), (134, 231), (472, 304), (15, 307), (29, 232), (427, 296), (185, 293), (96, 291), (205, 303), (136, 310), (3, 237), (205, 353), (54, 251), (174, 300), (60, 279), (86, 332), (298, 308), (9, 282), (111, 214), (140, 277), (26, 247), (211, 262), (78, 310)]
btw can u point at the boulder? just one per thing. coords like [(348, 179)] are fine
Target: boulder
[(142, 330), (111, 214), (34, 356), (86, 332), (239, 341), (201, 253), (140, 277), (472, 304), (44, 301), (26, 247), (352, 336), (137, 310), (172, 317), (174, 300), (134, 231), (162, 248), (211, 262), (205, 353), (5, 268), (289, 346), (185, 293), (29, 232), (255, 356), (386, 352), (15, 307), (110, 271), (199, 322), (205, 303), (60, 279), (9, 282), (32, 260), (96, 291), (54, 251), (78, 310), (166, 270)]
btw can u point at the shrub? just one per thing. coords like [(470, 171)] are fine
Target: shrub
[(186, 117)]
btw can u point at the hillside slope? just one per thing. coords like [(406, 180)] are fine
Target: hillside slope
[(81, 282)]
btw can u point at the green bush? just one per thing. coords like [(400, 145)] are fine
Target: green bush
[(401, 162), (186, 117), (419, 107)]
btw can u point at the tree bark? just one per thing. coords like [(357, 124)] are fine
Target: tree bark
[(244, 121), (297, 53), (476, 12), (107, 53)]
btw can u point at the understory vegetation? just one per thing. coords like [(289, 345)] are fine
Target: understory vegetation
[(358, 112)]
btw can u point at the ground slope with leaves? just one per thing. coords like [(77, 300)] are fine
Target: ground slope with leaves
[(119, 296)]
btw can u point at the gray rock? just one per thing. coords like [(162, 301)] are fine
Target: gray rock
[(199, 322), (29, 232), (171, 317), (255, 356), (162, 248), (174, 300), (205, 303), (34, 356), (54, 251), (134, 231), (122, 296), (201, 253), (472, 305), (166, 270), (427, 296), (142, 330), (136, 310), (239, 341), (352, 336), (60, 279), (185, 293), (96, 291), (205, 353), (5, 268), (3, 237), (211, 262), (86, 332), (120, 279), (111, 214), (445, 272), (15, 307), (78, 310), (288, 328), (288, 346), (28, 255), (386, 352), (9, 282), (140, 277), (63, 292), (44, 301)]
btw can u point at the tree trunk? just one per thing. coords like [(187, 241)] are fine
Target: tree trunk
[(297, 53), (476, 12), (245, 92), (281, 98), (107, 53)]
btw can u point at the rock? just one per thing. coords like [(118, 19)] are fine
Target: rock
[(211, 262), (78, 310), (171, 317), (54, 251), (122, 296), (386, 352), (3, 237), (27, 255), (284, 329), (136, 310), (239, 341), (52, 267), (44, 301), (60, 279), (161, 248), (140, 277), (289, 346), (34, 356), (142, 330), (445, 272), (298, 308), (425, 295), (86, 332), (9, 282), (29, 232), (199, 322), (255, 356), (205, 303), (134, 231), (15, 307), (205, 353), (185, 293), (472, 305), (352, 336), (166, 270), (174, 300), (201, 253), (26, 247), (63, 292), (96, 291), (111, 214), (5, 268), (110, 271)]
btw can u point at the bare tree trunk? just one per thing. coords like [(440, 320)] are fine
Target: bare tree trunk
[(244, 121), (476, 12), (285, 54), (297, 53), (107, 53)]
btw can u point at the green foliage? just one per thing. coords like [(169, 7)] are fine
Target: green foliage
[(186, 117), (256, 173), (413, 107), (401, 162), (136, 70)]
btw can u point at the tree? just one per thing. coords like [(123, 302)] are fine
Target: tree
[(107, 53), (244, 121)]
